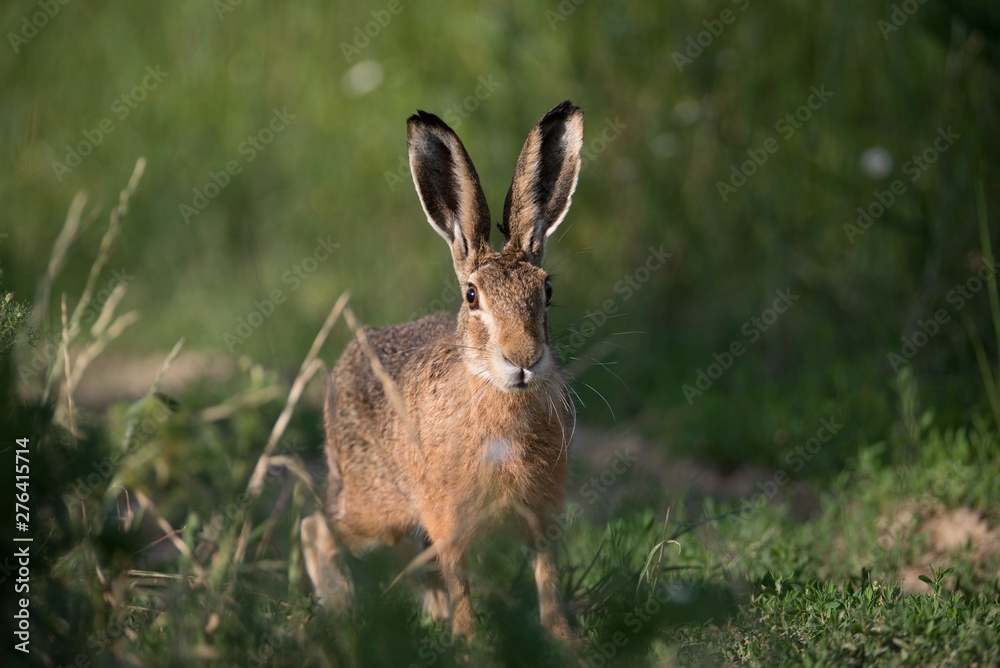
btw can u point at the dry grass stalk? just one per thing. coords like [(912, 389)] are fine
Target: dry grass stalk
[(310, 365), (160, 373), (70, 419), (114, 226), (171, 534), (388, 384), (238, 402), (57, 261), (97, 346), (294, 466), (108, 310), (58, 258)]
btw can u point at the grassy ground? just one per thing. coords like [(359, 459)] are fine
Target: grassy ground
[(897, 564), (154, 550)]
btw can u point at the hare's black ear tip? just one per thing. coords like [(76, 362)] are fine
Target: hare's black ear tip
[(425, 118), (564, 109)]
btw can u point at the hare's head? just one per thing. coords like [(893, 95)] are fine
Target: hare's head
[(503, 321)]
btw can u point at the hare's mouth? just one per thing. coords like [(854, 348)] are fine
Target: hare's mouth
[(512, 377)]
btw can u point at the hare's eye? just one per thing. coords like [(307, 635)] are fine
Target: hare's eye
[(548, 292), (472, 297)]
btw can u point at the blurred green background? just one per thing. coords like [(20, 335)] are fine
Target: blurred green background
[(777, 198), (684, 94)]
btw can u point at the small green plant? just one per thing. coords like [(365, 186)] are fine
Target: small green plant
[(14, 317), (990, 380)]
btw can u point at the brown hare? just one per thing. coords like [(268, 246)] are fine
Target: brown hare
[(488, 418)]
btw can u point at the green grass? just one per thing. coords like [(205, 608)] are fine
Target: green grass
[(757, 587), (149, 553)]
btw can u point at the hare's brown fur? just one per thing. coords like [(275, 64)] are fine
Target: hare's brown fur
[(483, 432)]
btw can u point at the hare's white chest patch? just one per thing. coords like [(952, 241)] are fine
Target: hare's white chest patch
[(499, 451)]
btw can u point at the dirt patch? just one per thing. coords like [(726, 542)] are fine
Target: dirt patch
[(112, 379), (655, 473), (949, 534)]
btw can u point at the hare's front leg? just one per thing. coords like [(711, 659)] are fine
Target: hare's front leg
[(320, 552), (549, 598), (449, 535), (456, 579)]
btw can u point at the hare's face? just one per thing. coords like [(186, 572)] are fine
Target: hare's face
[(505, 311)]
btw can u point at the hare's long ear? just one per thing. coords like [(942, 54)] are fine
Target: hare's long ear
[(544, 181), (449, 189)]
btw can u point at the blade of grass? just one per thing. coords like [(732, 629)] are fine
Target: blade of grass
[(167, 362), (71, 421), (58, 257), (55, 265), (114, 226), (238, 402), (309, 367), (990, 260), (171, 534), (388, 384), (984, 366)]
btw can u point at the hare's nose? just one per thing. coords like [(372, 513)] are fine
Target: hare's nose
[(524, 359)]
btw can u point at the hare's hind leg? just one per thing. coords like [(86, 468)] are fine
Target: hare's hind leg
[(333, 587)]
